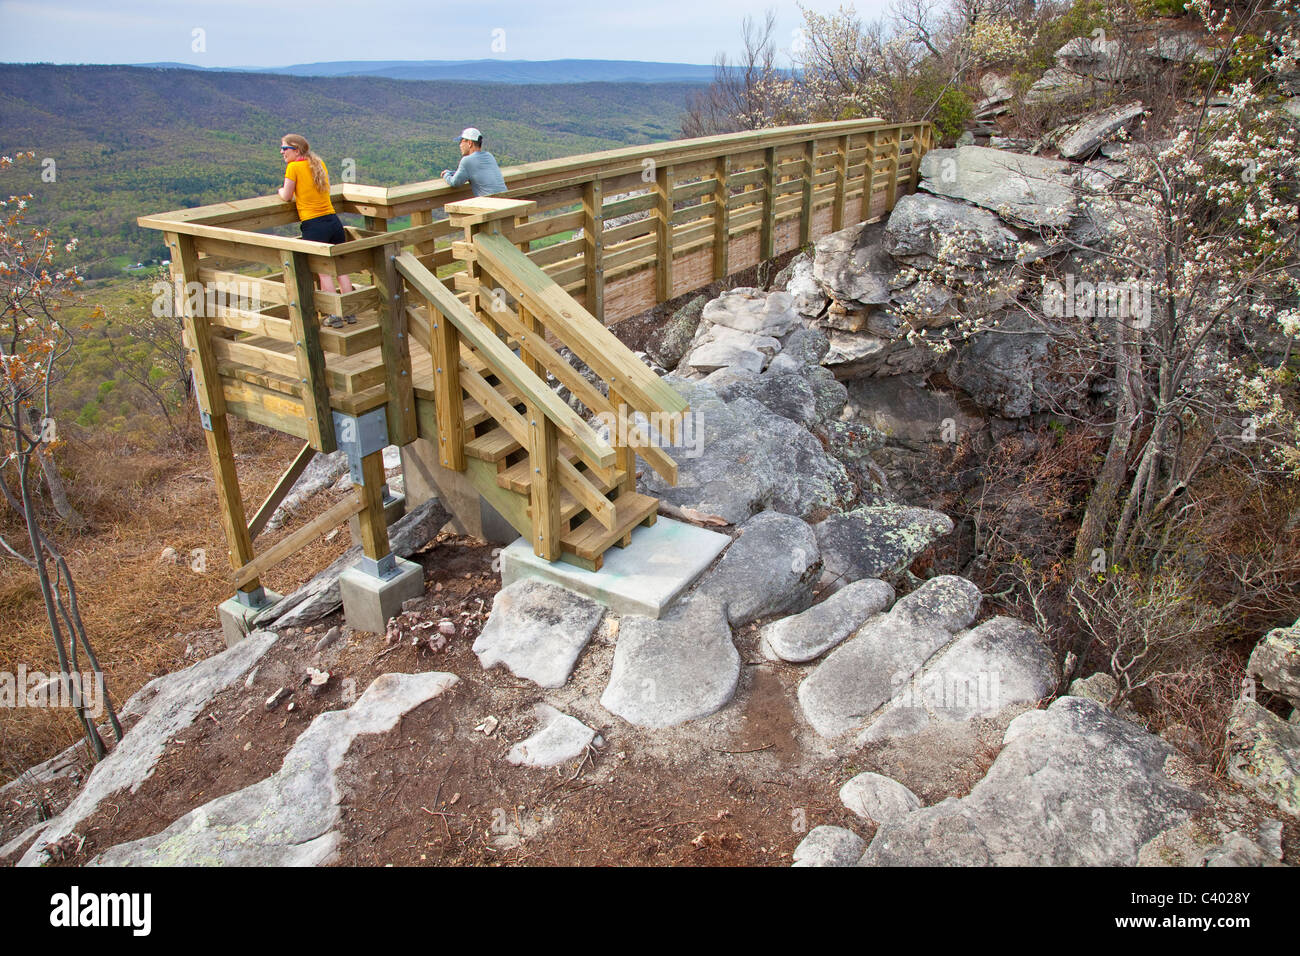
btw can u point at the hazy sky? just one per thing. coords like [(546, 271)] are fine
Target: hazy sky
[(258, 33)]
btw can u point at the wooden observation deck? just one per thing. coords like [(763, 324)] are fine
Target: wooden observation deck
[(575, 244)]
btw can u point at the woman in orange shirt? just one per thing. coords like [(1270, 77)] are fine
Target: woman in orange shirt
[(307, 185)]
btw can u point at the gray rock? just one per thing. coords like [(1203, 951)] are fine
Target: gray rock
[(805, 636), (1264, 755), (1239, 850), (807, 346), (668, 345), (876, 541), (769, 569), (878, 799), (330, 637), (852, 266), (788, 394), (1180, 48), (287, 819), (1073, 786), (168, 705), (1275, 662), (920, 226), (809, 298), (999, 664), (849, 347), (1059, 85), (1100, 687), (559, 738), (1108, 61), (321, 472), (1083, 138), (537, 630), (754, 312), (1005, 369), (829, 846), (903, 409), (320, 596), (718, 355), (1027, 189), (847, 688), (741, 458), (678, 668)]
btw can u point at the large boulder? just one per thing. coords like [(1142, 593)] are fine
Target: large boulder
[(865, 672), (999, 664), (1084, 137), (1275, 662), (810, 634), (739, 458), (876, 541), (852, 265), (1027, 189), (1005, 369), (829, 846), (537, 629), (927, 230), (1073, 786), (878, 799), (1264, 754), (678, 668), (667, 345), (753, 311), (809, 297), (769, 569)]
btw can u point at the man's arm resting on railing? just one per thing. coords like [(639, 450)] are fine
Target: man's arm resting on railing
[(461, 176)]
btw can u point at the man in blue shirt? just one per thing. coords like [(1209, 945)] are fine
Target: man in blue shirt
[(478, 168)]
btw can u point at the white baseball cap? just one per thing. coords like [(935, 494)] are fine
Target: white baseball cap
[(470, 133)]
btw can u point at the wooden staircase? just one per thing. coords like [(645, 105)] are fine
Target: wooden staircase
[(571, 491)]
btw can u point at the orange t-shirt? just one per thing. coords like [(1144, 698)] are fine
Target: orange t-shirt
[(311, 202)]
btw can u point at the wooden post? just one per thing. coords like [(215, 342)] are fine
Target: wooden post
[(212, 403), (593, 231), (895, 145), (869, 177), (300, 289), (721, 217), (424, 217), (374, 529), (626, 460), (767, 236), (841, 184), (806, 208), (664, 226), (395, 346), (448, 399), (375, 224), (543, 454), (534, 331)]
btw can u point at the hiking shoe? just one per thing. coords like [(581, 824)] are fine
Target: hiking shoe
[(350, 319), (334, 321)]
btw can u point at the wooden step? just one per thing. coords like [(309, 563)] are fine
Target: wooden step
[(495, 445), (518, 477), (569, 505), (591, 539), (476, 414)]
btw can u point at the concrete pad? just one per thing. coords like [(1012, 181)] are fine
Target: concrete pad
[(644, 578), (368, 601), (237, 618)]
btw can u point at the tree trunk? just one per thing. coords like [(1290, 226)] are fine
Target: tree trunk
[(58, 493)]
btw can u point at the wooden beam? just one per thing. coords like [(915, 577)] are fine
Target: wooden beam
[(544, 493), (374, 527), (593, 234), (198, 344), (229, 502), (300, 289), (281, 489), (664, 232), (721, 217), (395, 347), (806, 206), (295, 541), (767, 235), (841, 184)]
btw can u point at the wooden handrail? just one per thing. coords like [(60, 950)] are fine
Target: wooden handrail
[(505, 363)]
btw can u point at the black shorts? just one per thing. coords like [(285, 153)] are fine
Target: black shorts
[(324, 229)]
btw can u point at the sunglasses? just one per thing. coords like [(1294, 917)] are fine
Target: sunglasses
[(283, 148)]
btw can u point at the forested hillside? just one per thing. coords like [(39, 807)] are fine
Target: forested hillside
[(130, 140)]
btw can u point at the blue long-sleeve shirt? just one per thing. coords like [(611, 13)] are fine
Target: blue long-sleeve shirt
[(481, 171)]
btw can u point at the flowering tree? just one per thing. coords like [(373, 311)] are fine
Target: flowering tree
[(33, 343)]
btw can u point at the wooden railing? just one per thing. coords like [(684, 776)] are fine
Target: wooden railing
[(597, 238)]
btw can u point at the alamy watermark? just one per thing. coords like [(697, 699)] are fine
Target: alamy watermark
[(208, 300), (631, 429), (41, 689), (1074, 298), (943, 689)]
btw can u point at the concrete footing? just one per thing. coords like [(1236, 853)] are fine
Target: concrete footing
[(369, 601), (237, 616), (644, 578)]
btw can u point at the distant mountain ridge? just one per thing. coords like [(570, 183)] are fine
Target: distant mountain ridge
[(485, 71)]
